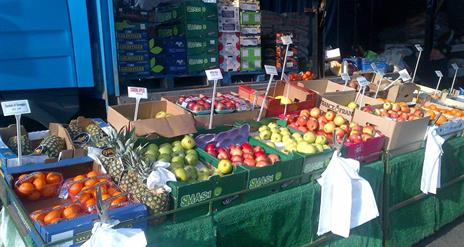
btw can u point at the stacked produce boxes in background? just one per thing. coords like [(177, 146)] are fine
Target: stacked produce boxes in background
[(250, 35), (192, 24), (132, 38), (229, 35), (292, 57)]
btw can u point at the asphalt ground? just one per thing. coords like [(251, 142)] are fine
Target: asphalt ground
[(452, 235)]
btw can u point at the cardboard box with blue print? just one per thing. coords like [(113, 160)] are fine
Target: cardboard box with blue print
[(197, 29), (132, 57), (192, 10), (131, 35), (133, 46), (132, 26), (175, 63)]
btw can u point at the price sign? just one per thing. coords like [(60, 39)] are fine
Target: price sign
[(438, 73), (346, 77), (362, 81), (16, 107), (455, 66), (285, 77), (334, 53), (137, 92), (286, 40), (404, 75), (213, 74), (418, 47), (270, 70)]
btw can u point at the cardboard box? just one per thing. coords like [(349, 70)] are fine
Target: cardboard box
[(302, 99), (250, 40), (202, 121), (80, 226), (400, 92), (325, 88), (187, 10), (229, 44), (229, 63), (197, 29), (199, 63), (250, 58), (339, 104), (9, 160), (179, 123), (402, 136)]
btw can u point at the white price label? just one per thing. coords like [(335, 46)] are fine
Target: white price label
[(334, 53), (213, 74), (404, 75), (362, 81), (418, 47), (137, 92), (270, 70), (346, 77), (455, 66), (285, 77), (286, 40), (16, 107), (438, 73)]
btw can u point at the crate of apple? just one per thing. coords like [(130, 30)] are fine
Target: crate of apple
[(242, 154), (364, 144), (197, 104), (399, 112), (223, 103)]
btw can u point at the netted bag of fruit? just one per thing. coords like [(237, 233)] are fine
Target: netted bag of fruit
[(37, 185), (110, 194), (72, 186), (57, 213)]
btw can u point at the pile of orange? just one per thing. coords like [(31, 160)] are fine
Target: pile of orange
[(83, 189), (432, 109), (56, 214), (38, 185)]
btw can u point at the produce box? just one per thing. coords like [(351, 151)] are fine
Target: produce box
[(169, 63), (250, 58), (258, 177), (450, 123), (136, 68), (201, 46), (132, 57), (229, 44), (250, 40), (366, 151), (199, 63), (9, 159), (186, 194), (131, 35), (250, 18), (339, 104), (229, 25), (325, 88), (401, 136), (80, 226), (197, 29), (132, 46), (400, 92), (180, 122), (191, 10), (301, 98), (229, 63)]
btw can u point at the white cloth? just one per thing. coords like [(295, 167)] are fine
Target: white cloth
[(160, 176), (103, 235), (347, 199), (431, 169)]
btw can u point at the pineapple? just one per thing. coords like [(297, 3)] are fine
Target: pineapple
[(94, 131), (51, 146), (121, 143), (26, 145), (74, 129)]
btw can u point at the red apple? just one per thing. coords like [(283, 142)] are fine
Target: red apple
[(329, 127), (394, 115), (305, 113), (210, 147), (263, 163), (312, 124), (302, 129), (191, 104), (249, 162), (370, 130), (302, 120), (212, 153), (236, 152), (223, 155), (315, 112), (404, 115), (262, 157), (221, 149), (387, 106), (366, 137), (236, 159), (293, 125), (257, 149), (247, 155), (355, 138), (330, 115), (198, 108), (246, 145), (396, 107), (322, 121), (405, 108), (339, 132), (274, 158), (345, 128)]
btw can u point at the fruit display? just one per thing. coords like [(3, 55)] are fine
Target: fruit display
[(86, 133), (58, 213), (38, 185), (224, 103), (51, 146), (399, 112), (26, 145), (240, 154), (162, 114), (447, 113), (281, 138), (302, 76)]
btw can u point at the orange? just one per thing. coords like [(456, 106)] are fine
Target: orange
[(75, 188), (49, 191), (26, 188), (34, 196), (28, 180), (441, 120), (52, 216), (90, 203), (90, 182), (116, 202), (116, 193), (103, 180), (112, 190), (92, 174), (84, 197), (53, 178), (40, 175), (39, 183), (71, 212), (78, 177), (432, 115), (105, 196), (54, 221), (36, 215)]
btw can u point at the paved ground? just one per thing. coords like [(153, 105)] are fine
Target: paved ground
[(451, 235)]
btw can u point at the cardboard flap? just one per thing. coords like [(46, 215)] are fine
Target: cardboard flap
[(60, 131), (10, 131), (166, 127)]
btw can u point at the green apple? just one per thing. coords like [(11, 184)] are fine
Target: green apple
[(306, 148), (178, 160), (352, 105), (165, 145), (225, 167), (188, 142), (151, 149), (276, 137), (297, 135), (321, 140), (191, 172), (165, 150), (286, 138), (176, 144), (326, 146), (319, 147), (275, 130), (191, 159), (165, 157), (151, 157), (178, 150), (272, 125), (160, 114), (181, 174), (263, 128), (265, 135), (309, 137), (284, 129), (270, 144), (192, 151)]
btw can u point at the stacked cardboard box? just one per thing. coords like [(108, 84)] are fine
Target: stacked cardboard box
[(132, 45), (229, 35), (193, 24), (292, 55), (250, 35)]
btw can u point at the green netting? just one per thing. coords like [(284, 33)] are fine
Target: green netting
[(450, 204), (283, 219), (196, 232), (452, 164), (405, 176), (412, 223), (369, 234)]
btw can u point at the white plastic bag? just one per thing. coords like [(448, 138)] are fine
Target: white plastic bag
[(103, 235), (160, 176)]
